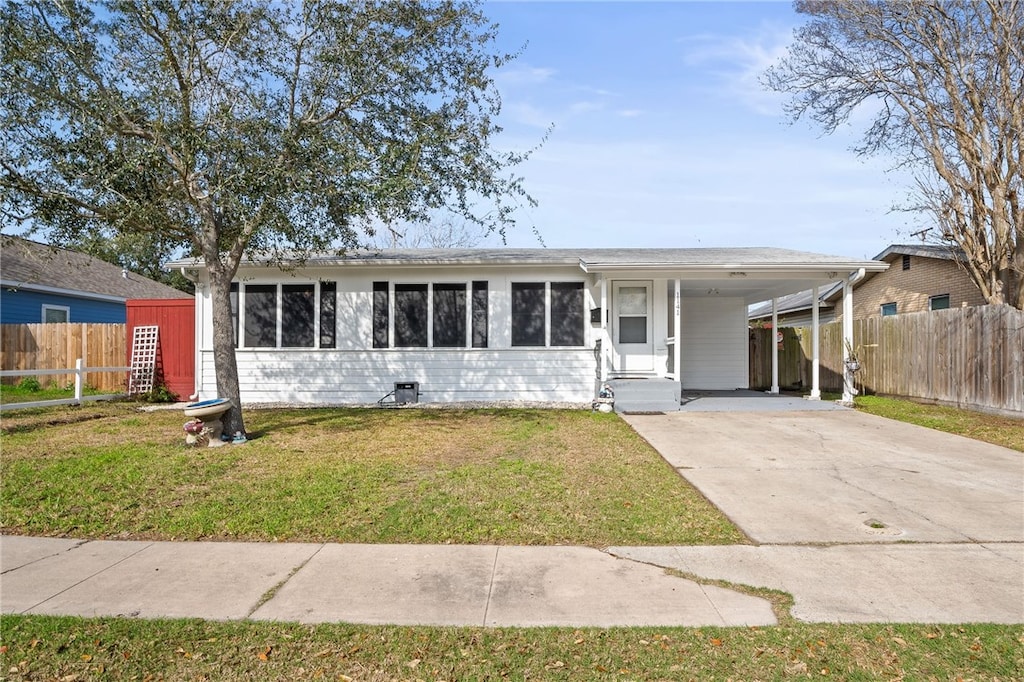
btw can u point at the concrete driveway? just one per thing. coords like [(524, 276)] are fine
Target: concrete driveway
[(860, 518), (843, 476)]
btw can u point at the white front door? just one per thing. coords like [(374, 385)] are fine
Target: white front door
[(632, 326)]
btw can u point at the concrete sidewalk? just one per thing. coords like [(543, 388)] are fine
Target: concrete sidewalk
[(509, 586), (374, 584)]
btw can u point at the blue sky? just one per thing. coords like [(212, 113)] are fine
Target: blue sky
[(663, 136)]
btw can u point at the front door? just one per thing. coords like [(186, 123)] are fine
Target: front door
[(632, 326)]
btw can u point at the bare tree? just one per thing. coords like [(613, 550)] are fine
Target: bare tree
[(437, 232), (945, 83)]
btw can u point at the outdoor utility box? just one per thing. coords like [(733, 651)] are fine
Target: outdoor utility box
[(407, 392)]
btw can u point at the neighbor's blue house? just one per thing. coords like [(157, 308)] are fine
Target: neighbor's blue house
[(41, 283)]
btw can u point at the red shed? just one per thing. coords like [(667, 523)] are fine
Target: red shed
[(176, 341)]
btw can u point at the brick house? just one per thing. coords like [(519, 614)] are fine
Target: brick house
[(919, 278)]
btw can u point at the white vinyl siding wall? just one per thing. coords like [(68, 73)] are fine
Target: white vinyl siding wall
[(715, 346), (445, 375), (356, 373)]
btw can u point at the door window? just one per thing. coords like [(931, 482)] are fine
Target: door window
[(632, 314)]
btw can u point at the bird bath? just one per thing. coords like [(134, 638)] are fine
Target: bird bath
[(209, 412)]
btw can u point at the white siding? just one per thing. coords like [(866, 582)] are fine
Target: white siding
[(445, 375), (715, 345), (355, 372)]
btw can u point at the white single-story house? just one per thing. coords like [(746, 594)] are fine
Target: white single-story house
[(500, 324)]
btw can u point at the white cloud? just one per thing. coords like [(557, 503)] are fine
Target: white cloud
[(524, 75), (737, 63), (630, 113)]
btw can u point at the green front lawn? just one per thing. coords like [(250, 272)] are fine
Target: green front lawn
[(535, 477)]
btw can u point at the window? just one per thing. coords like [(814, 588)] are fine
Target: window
[(285, 315), (261, 315), (530, 314), (328, 313), (567, 313), (449, 316), (632, 303), (234, 310), (381, 318), (410, 315), (442, 315), (479, 314), (56, 313), (528, 328), (888, 309), (298, 311), (940, 302), (906, 262)]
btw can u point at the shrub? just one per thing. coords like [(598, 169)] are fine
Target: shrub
[(30, 384)]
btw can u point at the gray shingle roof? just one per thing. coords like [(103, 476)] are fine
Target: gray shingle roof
[(27, 263), (922, 250), (747, 256)]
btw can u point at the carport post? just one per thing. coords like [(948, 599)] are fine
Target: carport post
[(848, 391), (775, 345), (815, 351)]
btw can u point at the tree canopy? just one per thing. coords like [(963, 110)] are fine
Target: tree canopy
[(944, 83), (247, 128)]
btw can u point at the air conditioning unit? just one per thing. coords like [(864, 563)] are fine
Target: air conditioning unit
[(407, 392)]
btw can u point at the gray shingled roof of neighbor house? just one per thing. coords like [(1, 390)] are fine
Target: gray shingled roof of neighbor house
[(31, 265)]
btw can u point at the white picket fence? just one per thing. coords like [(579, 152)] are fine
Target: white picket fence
[(79, 371)]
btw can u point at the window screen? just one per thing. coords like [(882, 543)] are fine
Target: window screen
[(380, 315), (298, 309), (479, 314), (410, 315), (888, 309), (328, 315), (567, 313), (261, 315), (939, 302), (528, 314), (234, 310), (449, 315)]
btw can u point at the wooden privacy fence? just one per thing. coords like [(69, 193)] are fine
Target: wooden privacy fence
[(59, 345), (971, 357)]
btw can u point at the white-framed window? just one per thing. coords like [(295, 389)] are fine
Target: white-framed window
[(430, 314), (56, 313), (888, 309), (293, 315), (547, 314)]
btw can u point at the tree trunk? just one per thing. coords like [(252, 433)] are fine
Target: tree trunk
[(224, 348)]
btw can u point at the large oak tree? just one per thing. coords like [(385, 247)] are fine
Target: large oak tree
[(248, 128), (944, 83)]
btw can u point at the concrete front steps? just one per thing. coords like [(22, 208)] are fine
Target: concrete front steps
[(649, 394)]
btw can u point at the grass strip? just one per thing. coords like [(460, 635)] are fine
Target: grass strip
[(998, 430), (62, 648)]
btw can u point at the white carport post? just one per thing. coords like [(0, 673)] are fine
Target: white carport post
[(677, 332), (815, 350), (775, 345), (605, 339), (848, 392)]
